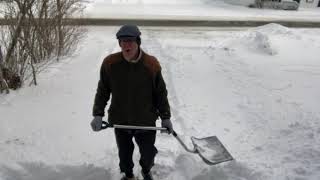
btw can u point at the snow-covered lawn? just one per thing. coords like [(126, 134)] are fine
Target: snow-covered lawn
[(256, 89)]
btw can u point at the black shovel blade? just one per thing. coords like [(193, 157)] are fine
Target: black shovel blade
[(211, 150)]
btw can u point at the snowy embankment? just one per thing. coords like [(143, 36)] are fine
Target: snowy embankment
[(256, 89)]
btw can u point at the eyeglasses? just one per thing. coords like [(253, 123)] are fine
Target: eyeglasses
[(127, 40)]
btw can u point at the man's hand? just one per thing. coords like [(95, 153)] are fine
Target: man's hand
[(166, 123), (96, 123)]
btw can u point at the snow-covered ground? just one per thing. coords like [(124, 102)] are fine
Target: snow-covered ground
[(256, 89), (192, 10)]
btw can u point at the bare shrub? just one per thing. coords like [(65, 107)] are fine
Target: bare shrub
[(36, 36)]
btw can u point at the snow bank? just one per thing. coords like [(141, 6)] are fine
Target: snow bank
[(274, 29), (262, 40)]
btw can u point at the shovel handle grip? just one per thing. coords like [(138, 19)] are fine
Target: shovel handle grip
[(105, 125)]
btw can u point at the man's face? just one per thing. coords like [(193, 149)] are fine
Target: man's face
[(129, 48)]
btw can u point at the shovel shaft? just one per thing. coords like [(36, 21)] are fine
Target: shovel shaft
[(105, 125), (140, 127), (194, 150)]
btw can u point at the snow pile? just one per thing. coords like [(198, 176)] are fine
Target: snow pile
[(254, 42), (274, 29), (260, 40), (265, 40), (251, 42), (261, 43)]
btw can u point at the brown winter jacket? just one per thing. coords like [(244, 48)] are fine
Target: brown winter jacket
[(139, 93)]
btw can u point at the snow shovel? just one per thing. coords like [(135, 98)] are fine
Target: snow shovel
[(210, 149)]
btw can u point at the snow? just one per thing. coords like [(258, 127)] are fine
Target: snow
[(192, 10), (255, 89)]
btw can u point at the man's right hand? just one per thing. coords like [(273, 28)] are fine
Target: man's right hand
[(96, 123)]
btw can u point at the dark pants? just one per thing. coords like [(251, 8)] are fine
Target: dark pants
[(145, 140)]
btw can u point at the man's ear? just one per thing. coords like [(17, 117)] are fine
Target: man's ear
[(139, 40)]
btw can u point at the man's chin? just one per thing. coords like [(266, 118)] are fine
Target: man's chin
[(128, 57)]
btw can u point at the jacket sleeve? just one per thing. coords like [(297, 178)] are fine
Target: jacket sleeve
[(103, 93), (161, 93)]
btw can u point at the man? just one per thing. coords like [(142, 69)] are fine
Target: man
[(139, 96)]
